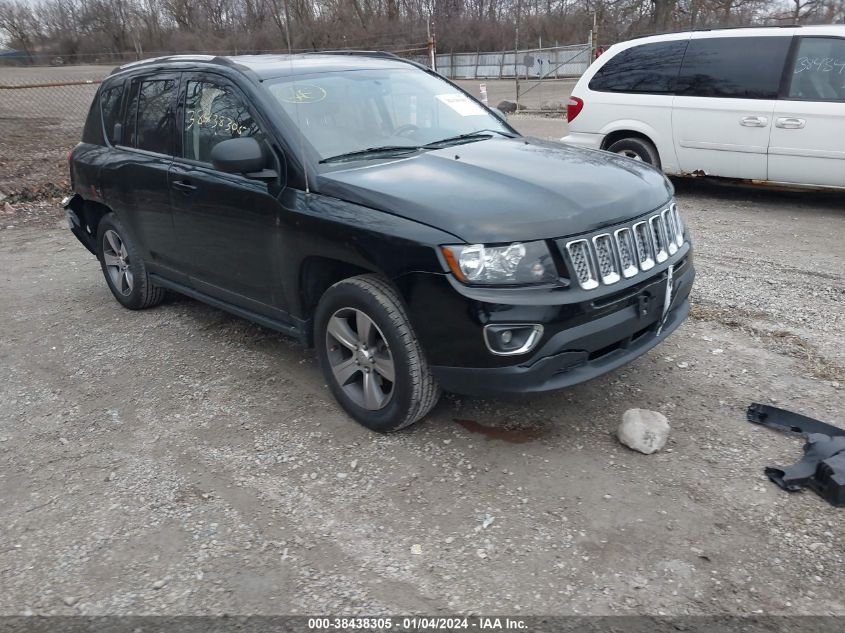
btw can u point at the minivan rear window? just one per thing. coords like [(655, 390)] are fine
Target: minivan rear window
[(648, 68), (733, 67)]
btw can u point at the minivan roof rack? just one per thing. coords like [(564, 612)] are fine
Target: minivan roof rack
[(721, 28)]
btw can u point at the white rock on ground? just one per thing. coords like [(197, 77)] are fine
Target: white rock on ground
[(643, 430)]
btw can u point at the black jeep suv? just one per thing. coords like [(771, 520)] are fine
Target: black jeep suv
[(369, 207)]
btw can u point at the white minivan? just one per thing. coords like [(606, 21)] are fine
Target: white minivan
[(758, 104)]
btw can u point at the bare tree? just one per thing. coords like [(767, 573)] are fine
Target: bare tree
[(77, 28), (19, 22)]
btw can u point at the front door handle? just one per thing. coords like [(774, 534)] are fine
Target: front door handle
[(790, 123), (754, 121), (182, 185)]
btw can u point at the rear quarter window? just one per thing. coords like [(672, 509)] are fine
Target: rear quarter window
[(648, 68), (110, 102), (734, 67)]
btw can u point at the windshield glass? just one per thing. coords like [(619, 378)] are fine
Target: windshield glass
[(349, 111)]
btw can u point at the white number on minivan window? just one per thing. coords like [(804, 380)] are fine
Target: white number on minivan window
[(819, 70), (819, 64)]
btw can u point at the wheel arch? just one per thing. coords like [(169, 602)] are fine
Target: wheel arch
[(317, 274), (88, 214), (628, 128), (337, 239), (617, 135)]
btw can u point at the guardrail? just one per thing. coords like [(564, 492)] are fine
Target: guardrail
[(533, 63)]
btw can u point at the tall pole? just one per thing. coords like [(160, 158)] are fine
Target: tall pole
[(432, 56), (516, 50)]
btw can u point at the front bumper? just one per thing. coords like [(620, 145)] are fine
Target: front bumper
[(571, 365), (582, 340)]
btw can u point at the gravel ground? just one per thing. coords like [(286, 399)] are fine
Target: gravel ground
[(183, 461)]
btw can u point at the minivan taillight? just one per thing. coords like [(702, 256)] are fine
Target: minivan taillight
[(573, 108)]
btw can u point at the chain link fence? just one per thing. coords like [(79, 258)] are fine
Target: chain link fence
[(42, 112)]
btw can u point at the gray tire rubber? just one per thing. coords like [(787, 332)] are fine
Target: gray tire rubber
[(643, 148), (415, 390), (144, 293)]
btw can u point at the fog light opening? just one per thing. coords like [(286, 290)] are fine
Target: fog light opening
[(508, 339)]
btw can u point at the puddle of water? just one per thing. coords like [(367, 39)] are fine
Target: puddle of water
[(512, 436)]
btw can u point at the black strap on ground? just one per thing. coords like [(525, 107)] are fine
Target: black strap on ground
[(783, 420), (822, 468)]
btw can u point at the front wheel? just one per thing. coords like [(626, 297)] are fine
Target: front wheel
[(370, 357), (636, 148)]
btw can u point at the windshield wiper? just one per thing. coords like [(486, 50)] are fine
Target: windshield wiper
[(384, 149), (469, 137)]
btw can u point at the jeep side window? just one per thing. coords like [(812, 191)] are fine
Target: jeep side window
[(110, 103), (648, 68), (733, 67), (818, 72), (213, 113), (149, 117)]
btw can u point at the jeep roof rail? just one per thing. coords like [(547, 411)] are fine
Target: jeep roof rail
[(176, 57), (356, 52), (224, 60)]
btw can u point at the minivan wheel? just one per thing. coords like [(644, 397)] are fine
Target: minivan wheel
[(370, 357), (123, 267), (636, 148)]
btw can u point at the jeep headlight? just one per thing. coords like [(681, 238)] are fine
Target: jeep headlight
[(511, 264)]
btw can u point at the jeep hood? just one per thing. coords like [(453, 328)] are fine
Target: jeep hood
[(502, 190)]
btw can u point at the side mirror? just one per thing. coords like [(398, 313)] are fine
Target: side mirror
[(500, 114), (239, 156)]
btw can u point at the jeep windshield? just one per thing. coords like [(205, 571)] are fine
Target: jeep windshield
[(364, 114)]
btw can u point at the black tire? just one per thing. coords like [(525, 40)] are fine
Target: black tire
[(140, 293), (638, 149), (414, 391)]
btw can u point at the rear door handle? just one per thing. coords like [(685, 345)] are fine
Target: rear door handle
[(182, 185), (754, 121), (790, 123)]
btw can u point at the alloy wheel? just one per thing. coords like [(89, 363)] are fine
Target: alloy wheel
[(360, 358), (116, 259), (629, 153)]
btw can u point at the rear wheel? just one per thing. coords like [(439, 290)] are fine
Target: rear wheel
[(123, 267), (636, 148), (370, 356)]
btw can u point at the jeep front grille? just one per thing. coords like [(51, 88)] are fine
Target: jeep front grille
[(627, 252), (605, 258), (606, 255), (583, 266)]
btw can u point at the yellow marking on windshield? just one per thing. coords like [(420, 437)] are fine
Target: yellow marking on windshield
[(302, 94)]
